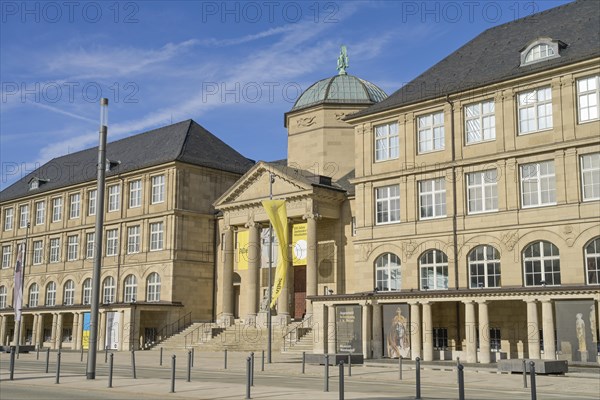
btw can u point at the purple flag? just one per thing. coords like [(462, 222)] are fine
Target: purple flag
[(18, 293)]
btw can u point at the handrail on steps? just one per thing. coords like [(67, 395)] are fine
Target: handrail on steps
[(292, 336)]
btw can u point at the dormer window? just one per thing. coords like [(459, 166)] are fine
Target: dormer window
[(110, 165), (541, 49), (35, 183)]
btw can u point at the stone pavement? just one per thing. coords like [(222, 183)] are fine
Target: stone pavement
[(281, 380)]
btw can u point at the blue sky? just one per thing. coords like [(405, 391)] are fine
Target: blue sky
[(234, 67)]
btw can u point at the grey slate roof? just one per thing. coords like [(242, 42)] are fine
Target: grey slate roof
[(494, 55), (184, 141)]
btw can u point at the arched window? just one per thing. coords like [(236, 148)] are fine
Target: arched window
[(541, 264), (153, 287), (51, 294), (3, 295), (434, 270), (484, 267), (130, 294), (592, 261), (34, 295), (69, 293), (387, 272), (86, 293), (108, 290)]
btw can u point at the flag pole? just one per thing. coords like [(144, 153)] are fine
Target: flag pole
[(20, 312), (269, 289)]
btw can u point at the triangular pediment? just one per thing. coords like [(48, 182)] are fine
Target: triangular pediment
[(254, 185)]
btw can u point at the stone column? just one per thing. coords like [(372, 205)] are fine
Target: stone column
[(253, 284), (366, 331), (311, 259), (75, 331), (34, 329), (227, 292), (548, 330), (22, 331), (427, 332), (415, 330), (3, 329), (122, 345), (53, 334), (484, 333), (470, 329), (377, 331), (283, 304), (59, 329), (331, 329), (40, 331), (533, 330), (102, 333)]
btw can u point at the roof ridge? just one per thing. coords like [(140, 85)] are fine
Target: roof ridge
[(187, 136)]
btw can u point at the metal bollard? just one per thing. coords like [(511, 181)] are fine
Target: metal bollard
[(161, 353), (533, 386), (303, 361), (81, 356), (262, 365), (189, 370), (326, 375), (350, 364), (225, 358), (341, 381), (133, 364), (248, 376), (418, 378), (110, 370), (461, 382), (400, 367), (58, 367), (524, 374), (12, 363), (47, 358), (252, 368), (173, 357)]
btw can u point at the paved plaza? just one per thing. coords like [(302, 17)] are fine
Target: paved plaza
[(283, 379)]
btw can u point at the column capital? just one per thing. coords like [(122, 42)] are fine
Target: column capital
[(530, 301), (252, 224), (482, 301), (311, 215), (545, 300), (466, 302), (229, 228)]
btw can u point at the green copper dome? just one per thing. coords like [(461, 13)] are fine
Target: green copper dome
[(341, 88)]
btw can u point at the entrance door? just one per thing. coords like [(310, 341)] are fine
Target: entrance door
[(299, 292)]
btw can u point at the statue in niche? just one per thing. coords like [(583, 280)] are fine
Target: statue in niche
[(580, 331), (398, 343)]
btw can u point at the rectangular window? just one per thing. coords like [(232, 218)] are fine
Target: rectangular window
[(72, 247), (89, 245), (432, 198), (495, 339), (23, 215), (538, 184), (387, 201), (590, 176), (440, 338), (431, 132), (386, 142), (6, 256), (40, 212), (38, 252), (482, 191), (75, 205), (114, 197), (158, 189), (156, 236), (480, 122), (133, 239), (56, 209), (54, 250), (92, 202), (8, 219), (135, 194), (112, 242), (535, 110), (588, 98)]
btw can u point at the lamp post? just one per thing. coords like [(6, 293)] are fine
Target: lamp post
[(95, 301), (133, 315)]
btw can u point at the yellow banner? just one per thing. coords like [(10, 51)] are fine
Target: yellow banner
[(242, 250), (278, 216), (299, 244)]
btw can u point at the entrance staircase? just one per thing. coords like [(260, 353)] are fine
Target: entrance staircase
[(194, 335)]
